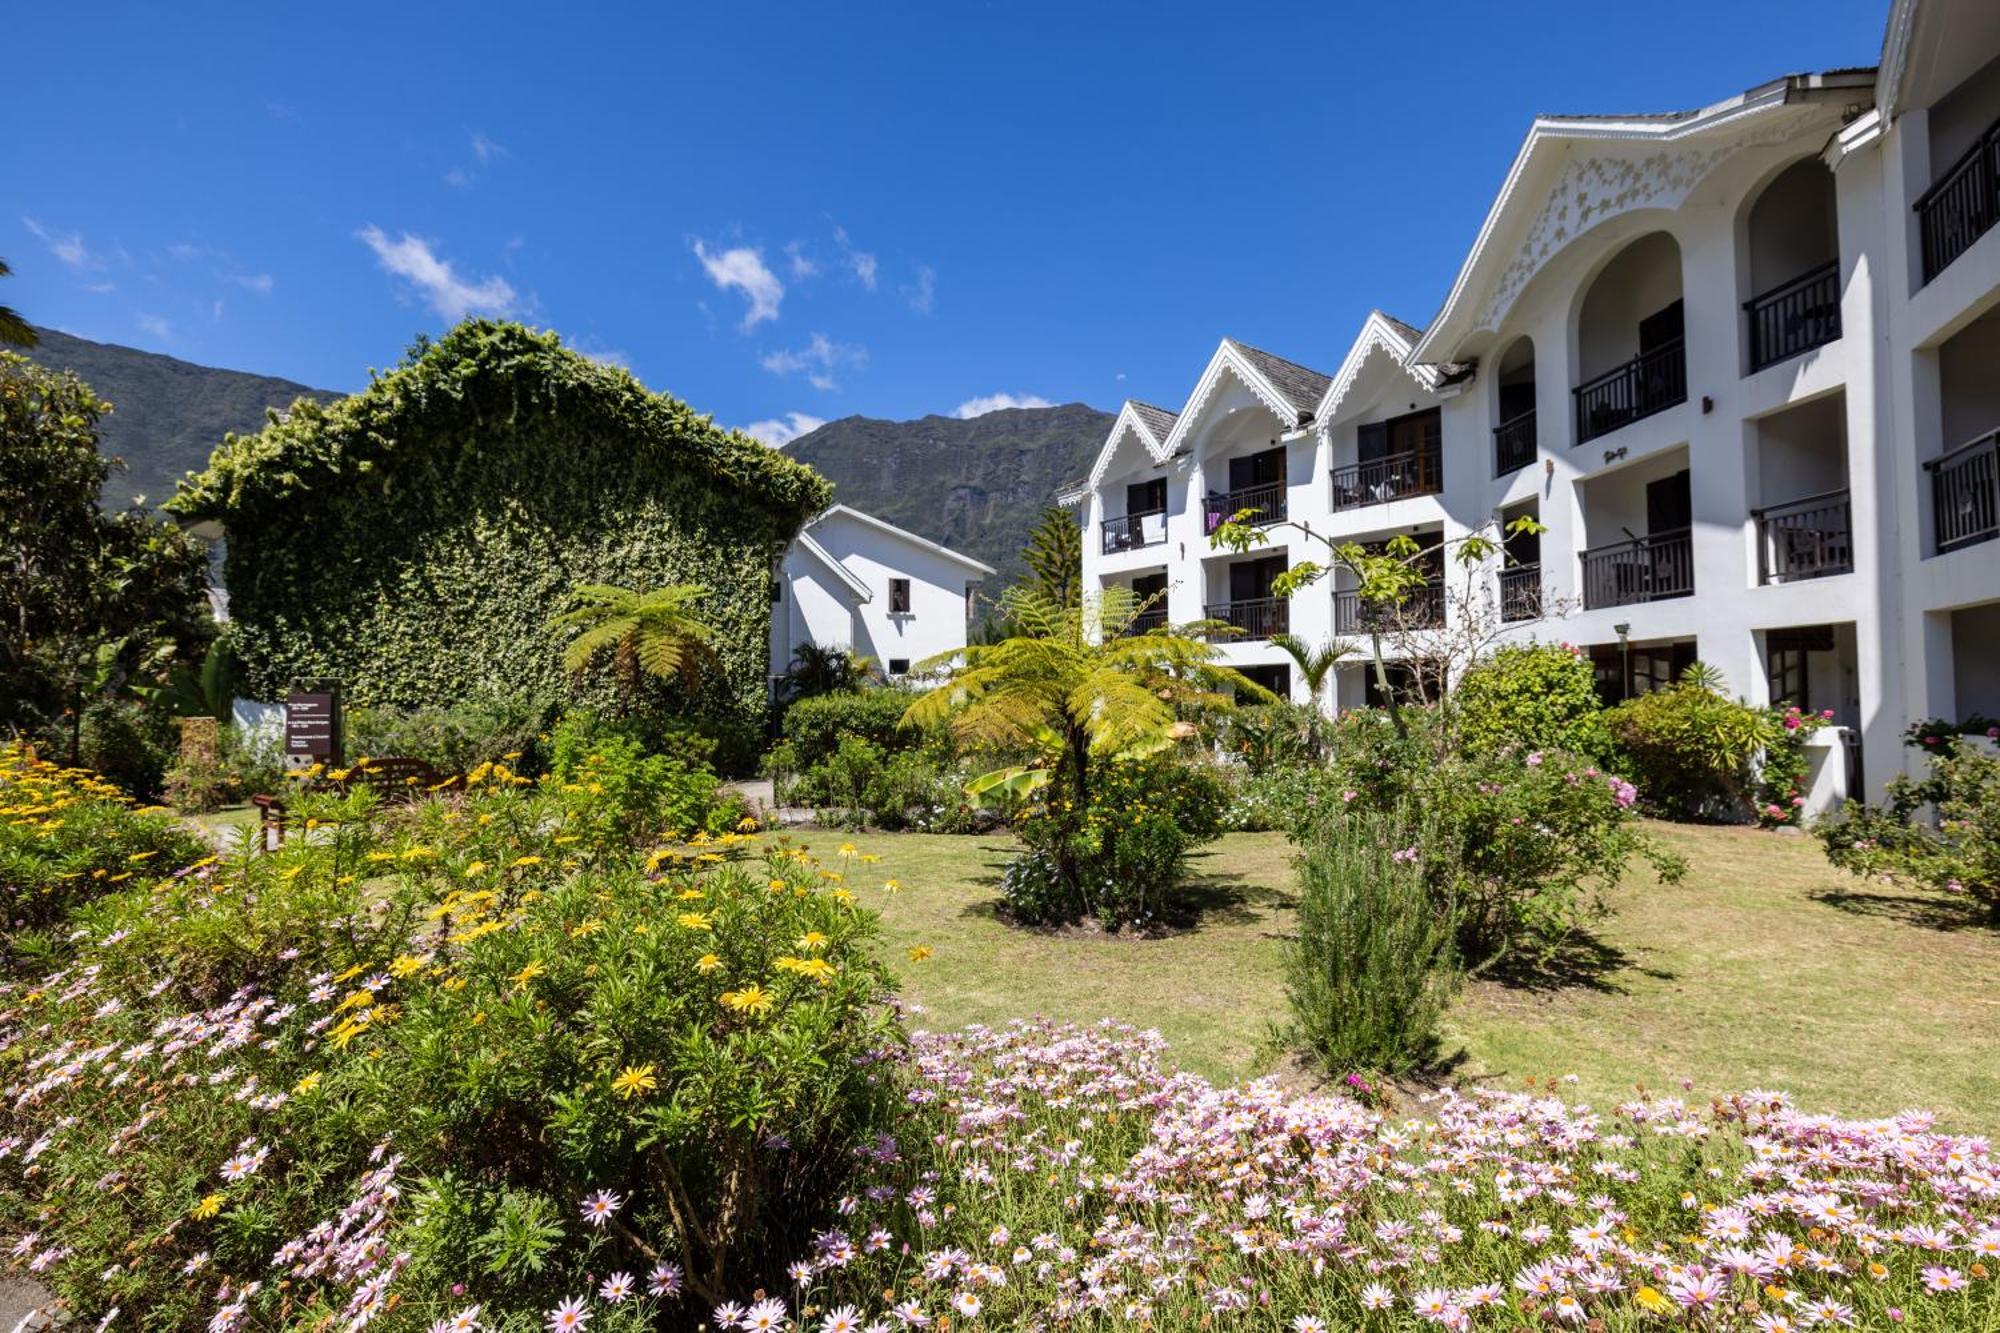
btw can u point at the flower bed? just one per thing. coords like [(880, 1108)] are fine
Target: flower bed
[(1053, 1177)]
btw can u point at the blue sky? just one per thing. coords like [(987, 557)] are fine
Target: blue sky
[(800, 212)]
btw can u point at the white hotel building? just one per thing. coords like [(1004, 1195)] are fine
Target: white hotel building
[(1742, 362)]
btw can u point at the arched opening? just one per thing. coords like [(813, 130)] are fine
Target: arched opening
[(1631, 357), (1514, 408), (1792, 261)]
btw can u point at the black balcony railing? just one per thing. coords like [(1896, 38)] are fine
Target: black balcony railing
[(1422, 607), (1652, 568), (1965, 494), (1267, 501), (1521, 592), (1650, 382), (1514, 443), (1805, 539), (1795, 317), (1255, 617), (1418, 472), (1132, 531), (1962, 205), (1148, 620)]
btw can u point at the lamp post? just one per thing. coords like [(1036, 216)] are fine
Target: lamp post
[(1624, 629)]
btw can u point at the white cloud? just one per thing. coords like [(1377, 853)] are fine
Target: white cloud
[(184, 251), (994, 402), (458, 178), (65, 246), (485, 149), (743, 269), (156, 326), (818, 359), (861, 262), (802, 264), (451, 296), (780, 432), (259, 283), (922, 294)]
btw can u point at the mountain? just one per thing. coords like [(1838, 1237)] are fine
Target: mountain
[(167, 414), (975, 485)]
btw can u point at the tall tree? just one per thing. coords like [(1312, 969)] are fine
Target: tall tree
[(1055, 558), (13, 328), (89, 602), (648, 633)]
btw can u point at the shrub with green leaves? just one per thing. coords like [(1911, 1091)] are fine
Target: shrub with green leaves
[(470, 1052), (616, 790), (454, 738), (68, 836), (1534, 696), (1942, 831), (1693, 751), (1373, 965)]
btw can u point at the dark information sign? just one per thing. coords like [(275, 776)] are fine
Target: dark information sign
[(312, 725)]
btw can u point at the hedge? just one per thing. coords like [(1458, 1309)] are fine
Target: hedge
[(414, 539)]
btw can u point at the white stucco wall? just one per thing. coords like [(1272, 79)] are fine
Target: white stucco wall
[(820, 607)]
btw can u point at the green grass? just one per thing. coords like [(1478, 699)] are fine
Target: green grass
[(1765, 968)]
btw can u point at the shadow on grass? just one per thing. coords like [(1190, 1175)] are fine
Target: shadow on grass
[(1218, 898), (1946, 914), (1584, 961)]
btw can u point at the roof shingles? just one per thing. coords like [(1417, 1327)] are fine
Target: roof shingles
[(1302, 387)]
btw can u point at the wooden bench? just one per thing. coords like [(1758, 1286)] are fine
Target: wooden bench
[(395, 779)]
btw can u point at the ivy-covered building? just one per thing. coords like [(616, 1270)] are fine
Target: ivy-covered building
[(414, 540)]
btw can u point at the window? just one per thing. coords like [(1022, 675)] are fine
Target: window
[(899, 597), (1276, 679), (899, 666), (1785, 662)]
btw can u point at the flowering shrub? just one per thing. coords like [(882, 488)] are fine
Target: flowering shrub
[(1130, 848), (1050, 1176), (464, 1057), (1957, 852), (1520, 846), (1781, 773), (617, 790), (67, 836)]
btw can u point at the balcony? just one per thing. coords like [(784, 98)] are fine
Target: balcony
[(1962, 205), (1267, 500), (1652, 568), (1796, 317), (1132, 531), (1650, 382), (1255, 617), (1514, 444), (1146, 621), (1422, 607), (1965, 494), (1397, 477), (1805, 539), (1521, 593)]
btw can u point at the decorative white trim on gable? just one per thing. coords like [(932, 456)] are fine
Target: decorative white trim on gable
[(1128, 419), (1377, 334), (1228, 358), (1586, 190)]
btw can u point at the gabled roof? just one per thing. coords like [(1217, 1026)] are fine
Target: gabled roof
[(824, 558), (1390, 336), (1291, 391), (922, 543), (1301, 386), (1150, 425), (1156, 421), (1550, 197)]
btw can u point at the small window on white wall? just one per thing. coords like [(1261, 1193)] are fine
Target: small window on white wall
[(899, 666), (899, 597)]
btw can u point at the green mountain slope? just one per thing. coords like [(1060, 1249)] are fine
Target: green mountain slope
[(977, 485), (167, 415)]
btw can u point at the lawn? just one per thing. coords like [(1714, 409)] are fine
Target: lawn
[(1766, 968)]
